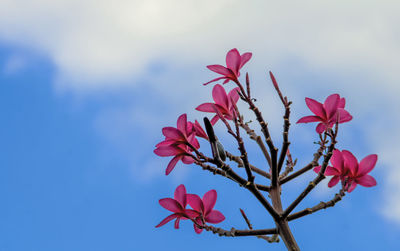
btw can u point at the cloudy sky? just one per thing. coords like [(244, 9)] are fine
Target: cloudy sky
[(86, 86)]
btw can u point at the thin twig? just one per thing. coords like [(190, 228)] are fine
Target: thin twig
[(239, 161)]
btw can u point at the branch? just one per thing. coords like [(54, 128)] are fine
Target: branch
[(310, 165), (289, 165), (239, 161), (271, 239), (322, 205), (234, 232), (317, 180)]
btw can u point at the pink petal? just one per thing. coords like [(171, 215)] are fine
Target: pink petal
[(337, 160), (352, 187), (173, 133), (187, 160), (167, 219), (317, 169), (206, 107), (316, 107), (330, 170), (215, 217), (367, 164), (209, 200), (166, 142), (192, 140), (214, 119), (195, 202), (342, 103), (244, 59), (350, 162), (233, 95), (219, 69), (233, 60), (344, 116), (176, 225), (199, 130), (182, 123), (196, 229), (333, 181), (220, 97), (171, 205), (172, 164), (180, 195), (165, 151), (216, 79), (191, 213), (331, 105), (366, 181), (308, 119), (320, 128)]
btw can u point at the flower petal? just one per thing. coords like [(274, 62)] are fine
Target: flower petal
[(181, 124), (320, 128), (342, 103), (317, 169), (350, 162), (165, 151), (366, 181), (187, 160), (172, 164), (316, 107), (167, 219), (199, 130), (166, 142), (176, 225), (214, 119), (196, 229), (220, 97), (367, 164), (180, 195), (195, 202), (344, 116), (308, 119), (352, 187), (214, 217), (244, 59), (216, 79), (331, 104), (233, 60), (219, 69), (173, 133), (330, 170), (233, 95), (333, 181), (209, 200), (171, 205), (192, 213), (206, 107), (337, 160)]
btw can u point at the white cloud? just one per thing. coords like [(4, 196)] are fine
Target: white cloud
[(101, 44)]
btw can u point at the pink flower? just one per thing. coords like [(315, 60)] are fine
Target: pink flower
[(234, 62), (178, 207), (176, 139), (205, 208), (223, 103), (326, 113), (346, 167)]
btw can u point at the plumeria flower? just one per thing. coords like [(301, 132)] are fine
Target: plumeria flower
[(205, 209), (176, 139), (177, 205), (326, 113), (184, 132), (346, 168), (224, 103), (234, 62), (180, 152)]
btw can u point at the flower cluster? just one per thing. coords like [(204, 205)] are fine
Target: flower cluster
[(201, 213), (180, 141), (327, 113), (346, 168)]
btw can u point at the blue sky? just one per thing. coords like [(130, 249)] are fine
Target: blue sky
[(86, 87)]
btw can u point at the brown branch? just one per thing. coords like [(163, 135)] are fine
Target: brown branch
[(258, 140), (270, 239), (285, 143), (289, 165), (239, 161), (310, 165), (322, 205), (317, 180), (234, 232)]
